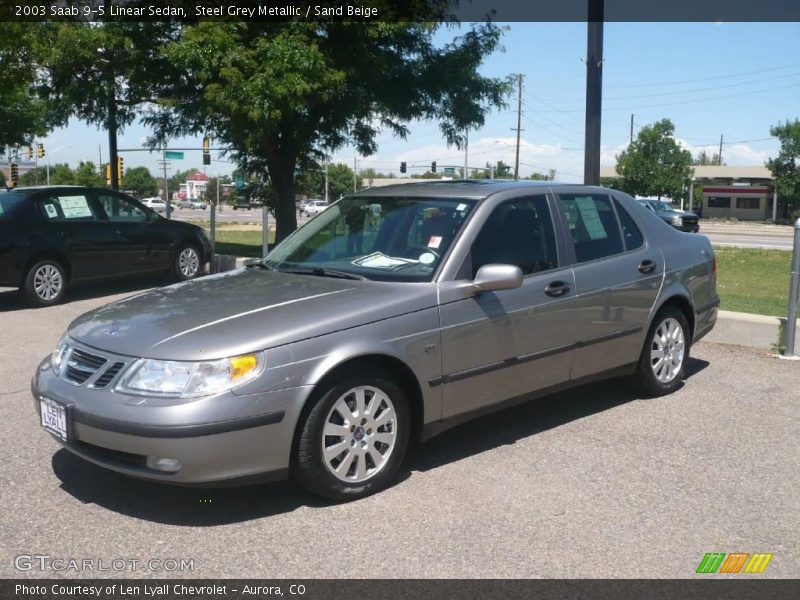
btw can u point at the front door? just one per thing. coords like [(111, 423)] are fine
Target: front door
[(617, 279), (498, 345)]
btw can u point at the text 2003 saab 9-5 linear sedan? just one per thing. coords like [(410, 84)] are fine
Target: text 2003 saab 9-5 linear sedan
[(392, 315)]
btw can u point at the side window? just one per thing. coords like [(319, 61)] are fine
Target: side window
[(630, 232), (593, 226), (121, 210), (519, 232), (69, 207)]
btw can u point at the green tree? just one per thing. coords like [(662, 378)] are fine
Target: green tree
[(704, 159), (60, 174), (86, 174), (654, 164), (22, 113), (340, 181), (274, 92), (139, 180), (785, 167)]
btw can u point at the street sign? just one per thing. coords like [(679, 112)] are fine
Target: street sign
[(449, 171), (239, 183), (173, 155)]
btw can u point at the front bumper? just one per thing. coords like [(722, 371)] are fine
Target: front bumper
[(252, 443)]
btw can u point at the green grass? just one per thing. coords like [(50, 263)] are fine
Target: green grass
[(748, 280), (753, 281), (241, 243)]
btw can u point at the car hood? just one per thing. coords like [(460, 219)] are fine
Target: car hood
[(242, 311)]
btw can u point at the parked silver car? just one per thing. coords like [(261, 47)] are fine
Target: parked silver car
[(396, 313)]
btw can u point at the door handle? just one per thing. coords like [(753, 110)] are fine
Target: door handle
[(556, 289), (647, 266)]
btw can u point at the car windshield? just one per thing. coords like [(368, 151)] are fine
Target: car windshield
[(380, 238), (660, 206)]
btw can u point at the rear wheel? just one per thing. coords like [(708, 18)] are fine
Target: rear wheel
[(187, 263), (662, 364), (45, 283), (354, 438)]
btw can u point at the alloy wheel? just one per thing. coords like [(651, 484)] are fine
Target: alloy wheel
[(359, 434), (189, 262), (667, 350), (47, 282)]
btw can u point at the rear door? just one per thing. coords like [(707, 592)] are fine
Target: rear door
[(143, 243), (73, 222), (617, 277)]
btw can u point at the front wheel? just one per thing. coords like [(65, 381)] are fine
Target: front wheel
[(662, 364), (354, 438), (45, 283), (187, 263)]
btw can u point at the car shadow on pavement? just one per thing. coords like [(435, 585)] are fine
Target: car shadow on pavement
[(198, 507), (529, 418), (11, 299)]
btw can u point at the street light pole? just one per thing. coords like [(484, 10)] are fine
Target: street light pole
[(594, 93)]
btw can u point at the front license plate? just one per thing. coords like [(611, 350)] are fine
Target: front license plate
[(54, 417)]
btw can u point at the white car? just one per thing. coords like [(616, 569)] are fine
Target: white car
[(156, 204), (314, 207)]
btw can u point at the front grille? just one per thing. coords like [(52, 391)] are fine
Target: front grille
[(81, 365), (107, 375)]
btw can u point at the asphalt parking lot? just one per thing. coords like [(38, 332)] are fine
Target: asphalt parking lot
[(594, 482)]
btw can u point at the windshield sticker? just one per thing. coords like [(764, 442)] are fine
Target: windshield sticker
[(74, 207), (426, 258), (591, 218), (378, 260), (435, 241), (52, 213)]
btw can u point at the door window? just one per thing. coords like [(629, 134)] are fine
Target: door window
[(593, 226), (67, 208), (630, 232), (119, 209), (519, 232)]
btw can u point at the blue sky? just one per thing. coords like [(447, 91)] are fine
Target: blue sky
[(734, 79)]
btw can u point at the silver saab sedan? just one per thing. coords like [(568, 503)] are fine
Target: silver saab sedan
[(394, 314)]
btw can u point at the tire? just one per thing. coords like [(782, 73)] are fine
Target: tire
[(669, 330), (187, 262), (45, 283), (372, 447)]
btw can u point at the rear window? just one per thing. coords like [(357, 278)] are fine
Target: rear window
[(10, 204)]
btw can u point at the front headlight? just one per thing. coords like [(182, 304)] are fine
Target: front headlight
[(57, 357), (182, 379), (677, 220)]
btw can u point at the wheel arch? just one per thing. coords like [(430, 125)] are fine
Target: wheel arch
[(46, 254), (681, 301), (399, 372)]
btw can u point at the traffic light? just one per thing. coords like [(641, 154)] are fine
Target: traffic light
[(206, 153), (108, 173), (433, 167), (403, 167), (14, 175), (120, 169), (39, 150), (29, 153)]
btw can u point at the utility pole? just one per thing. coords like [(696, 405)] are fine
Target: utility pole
[(519, 123), (719, 156), (466, 153), (112, 131), (166, 185), (594, 92), (326, 180), (631, 128), (355, 172)]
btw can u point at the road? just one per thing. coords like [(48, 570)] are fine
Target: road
[(594, 482), (749, 235)]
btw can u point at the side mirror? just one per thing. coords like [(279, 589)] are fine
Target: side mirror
[(493, 278)]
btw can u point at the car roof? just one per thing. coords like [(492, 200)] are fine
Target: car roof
[(468, 188)]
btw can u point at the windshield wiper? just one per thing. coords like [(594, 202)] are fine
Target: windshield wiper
[(260, 264), (320, 272)]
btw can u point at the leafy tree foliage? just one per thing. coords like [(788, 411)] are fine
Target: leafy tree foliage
[(785, 167), (139, 180), (274, 92), (60, 174), (654, 164), (86, 174), (22, 114), (704, 159)]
